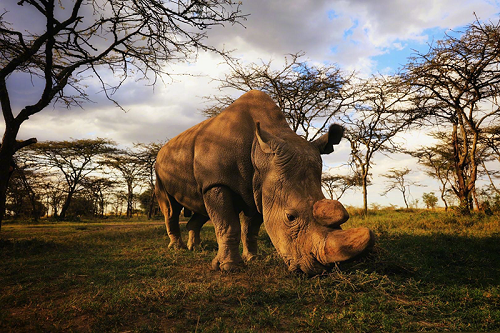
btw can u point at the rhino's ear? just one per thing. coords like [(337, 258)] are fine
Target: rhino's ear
[(325, 142), (268, 143)]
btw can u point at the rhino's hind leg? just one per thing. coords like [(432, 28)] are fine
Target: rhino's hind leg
[(194, 227), (171, 210), (250, 227), (223, 214)]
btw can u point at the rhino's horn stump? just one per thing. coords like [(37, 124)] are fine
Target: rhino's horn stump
[(330, 213)]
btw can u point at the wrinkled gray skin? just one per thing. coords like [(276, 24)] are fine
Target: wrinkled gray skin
[(247, 160)]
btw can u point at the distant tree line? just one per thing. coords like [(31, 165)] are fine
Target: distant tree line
[(452, 92), (83, 178)]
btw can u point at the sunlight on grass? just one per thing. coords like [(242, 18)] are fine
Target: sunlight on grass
[(430, 271)]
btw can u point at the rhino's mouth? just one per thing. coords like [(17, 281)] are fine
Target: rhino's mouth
[(308, 265), (320, 259)]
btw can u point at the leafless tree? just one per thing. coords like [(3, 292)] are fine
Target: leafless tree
[(458, 82), (309, 95), (396, 180), (84, 38), (336, 185)]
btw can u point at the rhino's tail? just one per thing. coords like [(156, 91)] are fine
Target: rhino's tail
[(168, 205), (163, 198)]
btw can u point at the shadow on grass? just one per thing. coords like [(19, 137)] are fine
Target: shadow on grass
[(27, 247), (440, 259)]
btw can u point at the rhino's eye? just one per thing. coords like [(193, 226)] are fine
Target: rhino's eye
[(290, 217)]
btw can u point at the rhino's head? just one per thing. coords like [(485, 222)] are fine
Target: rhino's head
[(303, 226)]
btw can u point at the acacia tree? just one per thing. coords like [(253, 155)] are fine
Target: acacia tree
[(32, 181), (336, 185), (97, 191), (52, 189), (74, 160), (378, 116), (430, 200), (88, 38), (396, 180), (130, 169), (438, 161), (23, 194), (146, 155), (458, 82), (309, 96)]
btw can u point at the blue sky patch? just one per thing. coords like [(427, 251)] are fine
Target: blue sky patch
[(397, 55), (348, 33), (332, 15)]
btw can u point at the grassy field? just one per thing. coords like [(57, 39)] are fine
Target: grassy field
[(430, 271)]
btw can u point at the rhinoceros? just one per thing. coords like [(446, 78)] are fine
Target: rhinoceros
[(246, 167)]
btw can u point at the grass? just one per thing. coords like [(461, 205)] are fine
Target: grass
[(430, 271)]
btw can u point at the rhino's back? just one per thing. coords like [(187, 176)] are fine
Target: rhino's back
[(217, 152)]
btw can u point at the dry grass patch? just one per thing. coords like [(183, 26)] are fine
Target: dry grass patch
[(107, 277)]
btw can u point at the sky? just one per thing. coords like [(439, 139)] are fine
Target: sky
[(363, 35)]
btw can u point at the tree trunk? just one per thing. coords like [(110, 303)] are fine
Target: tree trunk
[(101, 206), (365, 196), (444, 200), (476, 201), (151, 204), (66, 204), (464, 206), (35, 213), (404, 198), (7, 150), (4, 181), (462, 192), (130, 198), (54, 209)]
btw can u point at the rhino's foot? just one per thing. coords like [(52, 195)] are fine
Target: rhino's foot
[(228, 266), (193, 240), (177, 244), (249, 257), (193, 246)]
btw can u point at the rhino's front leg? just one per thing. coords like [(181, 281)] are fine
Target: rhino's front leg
[(219, 202), (250, 227)]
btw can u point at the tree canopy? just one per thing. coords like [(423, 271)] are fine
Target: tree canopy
[(458, 82)]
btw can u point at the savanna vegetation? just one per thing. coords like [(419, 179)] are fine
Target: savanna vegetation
[(430, 271), (87, 178)]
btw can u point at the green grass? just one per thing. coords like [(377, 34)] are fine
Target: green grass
[(430, 271)]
